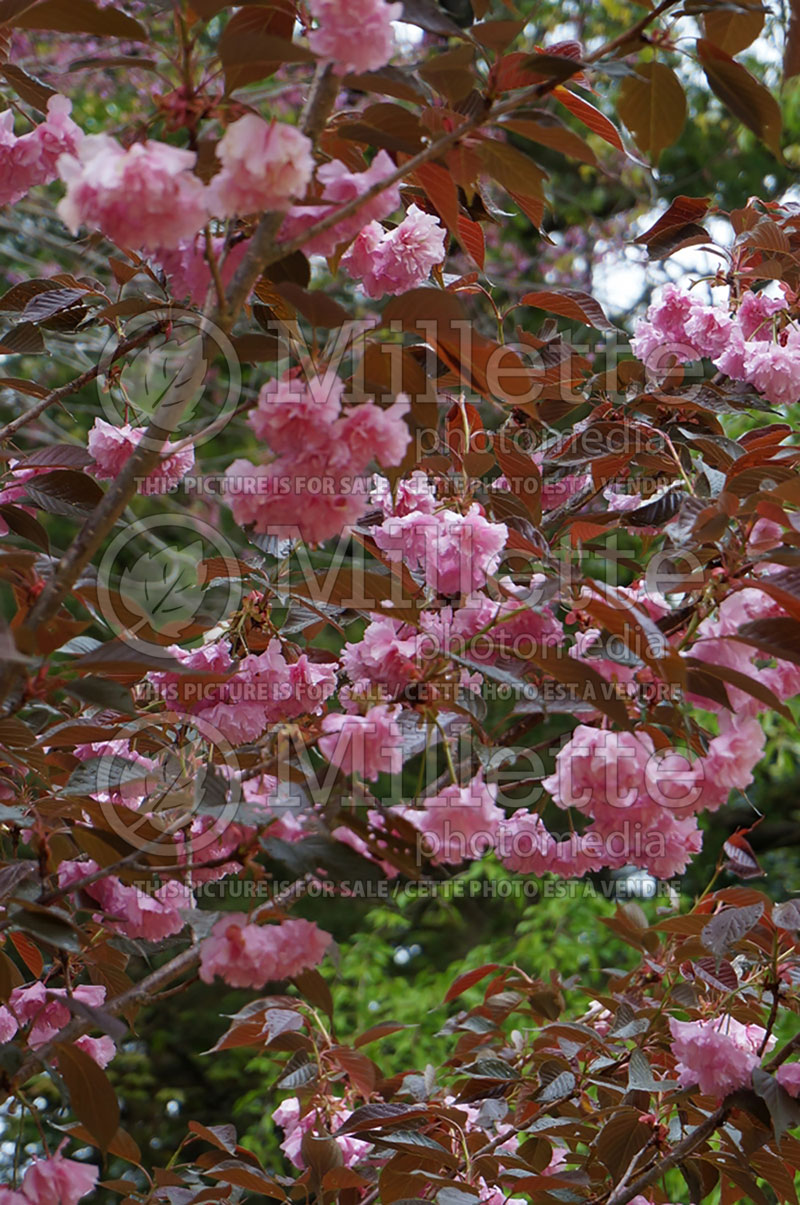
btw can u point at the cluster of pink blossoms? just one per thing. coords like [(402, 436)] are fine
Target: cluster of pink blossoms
[(53, 1181), (261, 689), (134, 913), (719, 1055), (247, 955), (340, 185), (460, 823), (41, 1007), (354, 37), (112, 447), (31, 159), (748, 345), (395, 261), (369, 745), (149, 196), (456, 553), (287, 1116), (316, 484)]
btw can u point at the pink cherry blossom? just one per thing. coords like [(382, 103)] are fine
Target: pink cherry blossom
[(774, 369), (261, 689), (386, 654), (128, 910), (354, 38), (754, 314), (717, 1055), (368, 745), (42, 1007), (398, 260), (146, 196), (187, 266), (112, 448), (31, 158), (340, 185), (788, 1076), (102, 1049), (265, 165), (459, 823), (8, 1024), (317, 483), (248, 955), (57, 1181), (731, 758), (455, 552), (295, 1127)]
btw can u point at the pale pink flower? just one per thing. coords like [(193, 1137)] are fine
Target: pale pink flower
[(398, 260), (31, 158), (248, 955), (368, 745), (187, 268), (765, 535), (352, 37), (295, 412), (455, 552), (287, 1116), (112, 447), (415, 492), (459, 823), (661, 335), (265, 165), (8, 1025), (718, 1055), (731, 757), (340, 185), (58, 1181), (146, 196), (386, 654), (788, 1076)]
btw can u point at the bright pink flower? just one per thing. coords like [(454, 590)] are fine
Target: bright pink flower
[(247, 955), (31, 158), (386, 654), (42, 1007), (774, 369), (187, 266), (459, 823), (352, 37), (102, 1050), (455, 552), (8, 1196), (719, 1055), (415, 492), (376, 433), (661, 335), (112, 448), (788, 1076), (58, 1181), (340, 185), (296, 412), (709, 330), (398, 260), (134, 913), (146, 196), (368, 745), (754, 313), (261, 689), (265, 165)]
